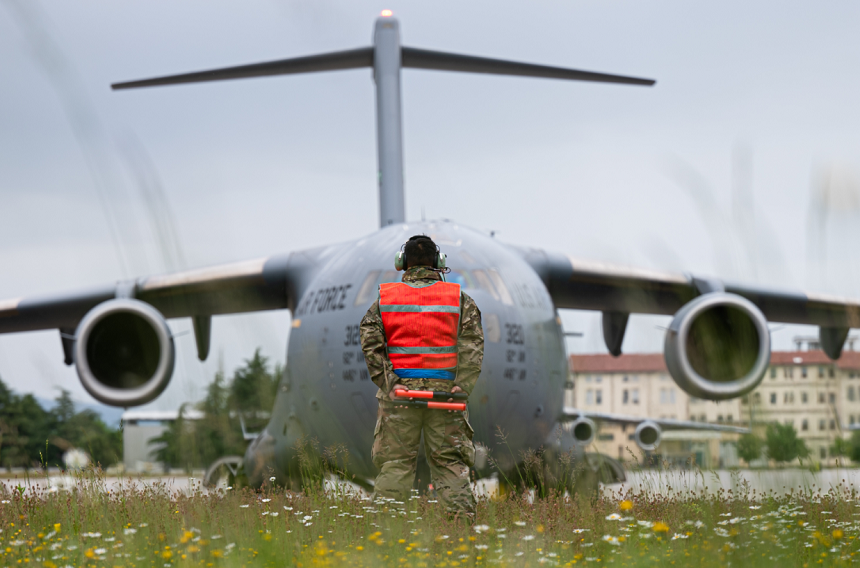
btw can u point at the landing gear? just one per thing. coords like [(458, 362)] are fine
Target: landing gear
[(226, 472)]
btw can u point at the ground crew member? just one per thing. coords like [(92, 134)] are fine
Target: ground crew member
[(423, 334)]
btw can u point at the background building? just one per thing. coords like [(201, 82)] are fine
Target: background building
[(818, 396), (139, 427)]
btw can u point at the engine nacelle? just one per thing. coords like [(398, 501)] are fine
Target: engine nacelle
[(718, 346), (583, 430), (124, 352), (647, 435)]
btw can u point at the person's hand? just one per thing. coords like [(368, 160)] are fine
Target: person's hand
[(453, 390), (391, 394)]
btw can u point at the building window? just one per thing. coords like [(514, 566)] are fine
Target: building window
[(625, 396), (729, 418), (788, 397), (624, 380), (634, 396), (820, 372), (821, 398), (720, 418), (803, 372), (851, 420), (773, 372), (832, 398), (804, 397), (804, 425), (598, 396), (851, 393), (757, 398), (703, 418), (822, 452), (598, 379), (773, 398), (589, 397), (787, 372), (832, 424), (831, 372), (822, 424)]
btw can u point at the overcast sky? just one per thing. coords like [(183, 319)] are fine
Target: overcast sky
[(741, 162)]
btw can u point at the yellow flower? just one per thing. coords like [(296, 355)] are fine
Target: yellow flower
[(89, 553), (539, 528), (626, 505), (660, 526), (57, 527), (837, 534), (359, 548), (167, 555)]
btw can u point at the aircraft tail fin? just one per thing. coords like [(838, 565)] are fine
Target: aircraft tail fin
[(387, 57), (441, 61), (335, 61)]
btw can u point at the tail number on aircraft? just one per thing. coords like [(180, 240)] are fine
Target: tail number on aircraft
[(515, 334)]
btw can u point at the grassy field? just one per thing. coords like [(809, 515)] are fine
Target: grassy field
[(148, 526)]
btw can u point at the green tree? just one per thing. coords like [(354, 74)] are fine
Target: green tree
[(31, 436), (248, 396), (750, 447), (841, 447), (854, 446), (782, 442)]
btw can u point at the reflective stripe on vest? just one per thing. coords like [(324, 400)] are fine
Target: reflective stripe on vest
[(421, 327)]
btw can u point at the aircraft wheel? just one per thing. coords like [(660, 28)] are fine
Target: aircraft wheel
[(226, 471)]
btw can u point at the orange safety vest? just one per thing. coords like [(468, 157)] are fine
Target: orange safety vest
[(421, 328)]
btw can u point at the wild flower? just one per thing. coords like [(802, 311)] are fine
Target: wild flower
[(529, 537), (481, 546), (614, 517), (129, 531), (481, 528), (626, 505), (660, 527), (677, 536), (244, 506), (520, 523), (613, 540), (266, 500), (580, 531)]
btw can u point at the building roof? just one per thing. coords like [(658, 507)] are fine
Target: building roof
[(654, 362)]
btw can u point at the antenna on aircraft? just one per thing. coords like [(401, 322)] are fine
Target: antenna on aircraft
[(387, 57)]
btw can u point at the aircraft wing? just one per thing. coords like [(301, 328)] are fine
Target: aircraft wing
[(588, 285), (663, 423), (262, 284)]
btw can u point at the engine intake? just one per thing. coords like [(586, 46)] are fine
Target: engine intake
[(647, 435), (718, 346), (583, 431), (124, 352)]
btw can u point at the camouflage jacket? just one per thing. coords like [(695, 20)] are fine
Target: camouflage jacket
[(470, 343)]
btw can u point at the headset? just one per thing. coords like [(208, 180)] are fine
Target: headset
[(402, 263)]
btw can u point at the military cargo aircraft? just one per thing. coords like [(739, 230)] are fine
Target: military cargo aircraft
[(716, 347)]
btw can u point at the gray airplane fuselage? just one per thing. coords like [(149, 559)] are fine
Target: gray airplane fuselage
[(326, 393)]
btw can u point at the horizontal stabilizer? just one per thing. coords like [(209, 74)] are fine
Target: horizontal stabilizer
[(352, 59), (440, 61)]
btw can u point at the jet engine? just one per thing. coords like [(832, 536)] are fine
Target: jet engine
[(124, 352), (583, 430), (718, 346), (647, 435)]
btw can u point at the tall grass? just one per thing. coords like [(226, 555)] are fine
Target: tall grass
[(97, 523)]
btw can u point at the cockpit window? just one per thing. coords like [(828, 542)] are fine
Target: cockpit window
[(461, 277), (500, 287), (368, 289), (485, 284), (370, 286)]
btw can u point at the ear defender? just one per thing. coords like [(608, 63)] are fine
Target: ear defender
[(441, 261), (398, 260)]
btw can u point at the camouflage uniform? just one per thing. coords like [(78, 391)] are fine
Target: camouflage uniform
[(447, 435)]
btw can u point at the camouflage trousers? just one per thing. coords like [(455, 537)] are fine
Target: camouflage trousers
[(447, 446)]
